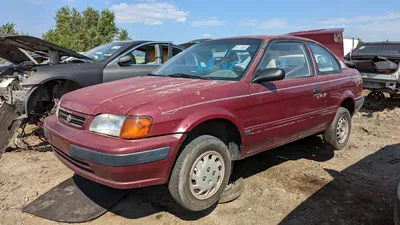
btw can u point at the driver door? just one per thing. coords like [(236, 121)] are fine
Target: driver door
[(143, 60), (283, 110)]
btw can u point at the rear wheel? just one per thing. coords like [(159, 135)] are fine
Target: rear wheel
[(201, 173), (338, 133)]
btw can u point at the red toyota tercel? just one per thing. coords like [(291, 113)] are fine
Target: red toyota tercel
[(214, 103)]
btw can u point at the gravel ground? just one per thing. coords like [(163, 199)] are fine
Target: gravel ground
[(301, 183)]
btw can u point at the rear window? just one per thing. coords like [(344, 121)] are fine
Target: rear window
[(381, 49)]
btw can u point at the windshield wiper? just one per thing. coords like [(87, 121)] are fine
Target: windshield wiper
[(154, 75), (184, 75)]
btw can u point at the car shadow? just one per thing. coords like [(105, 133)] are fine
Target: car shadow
[(270, 86), (153, 200), (363, 193), (312, 148)]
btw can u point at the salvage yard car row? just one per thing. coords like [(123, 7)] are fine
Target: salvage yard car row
[(185, 123), (215, 103)]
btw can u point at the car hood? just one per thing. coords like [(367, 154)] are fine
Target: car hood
[(120, 97), (10, 48)]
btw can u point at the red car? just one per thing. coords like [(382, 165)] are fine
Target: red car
[(214, 103)]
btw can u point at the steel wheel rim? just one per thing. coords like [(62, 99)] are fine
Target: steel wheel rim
[(206, 175), (342, 129), (376, 97)]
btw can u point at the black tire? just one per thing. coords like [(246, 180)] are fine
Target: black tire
[(233, 191), (330, 136), (7, 114), (179, 183)]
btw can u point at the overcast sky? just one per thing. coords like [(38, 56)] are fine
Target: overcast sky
[(183, 20)]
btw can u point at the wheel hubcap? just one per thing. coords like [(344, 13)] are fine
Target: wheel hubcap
[(206, 175), (342, 129)]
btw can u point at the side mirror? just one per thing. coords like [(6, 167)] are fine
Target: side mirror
[(125, 60), (270, 74)]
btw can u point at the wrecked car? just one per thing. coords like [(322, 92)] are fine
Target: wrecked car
[(32, 89), (187, 122), (378, 63)]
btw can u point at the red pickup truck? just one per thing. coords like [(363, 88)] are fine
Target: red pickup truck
[(214, 103)]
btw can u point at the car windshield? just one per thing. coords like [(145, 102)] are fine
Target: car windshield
[(226, 59), (103, 52), (378, 49)]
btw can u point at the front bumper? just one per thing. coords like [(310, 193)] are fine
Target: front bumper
[(397, 206), (359, 102), (112, 161)]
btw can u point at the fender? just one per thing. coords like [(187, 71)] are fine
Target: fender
[(61, 78), (56, 78), (85, 74), (346, 94), (190, 122)]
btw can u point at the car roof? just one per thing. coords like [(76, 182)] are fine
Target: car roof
[(139, 42), (269, 37), (383, 43), (132, 42)]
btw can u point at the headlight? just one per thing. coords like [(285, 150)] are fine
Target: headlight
[(27, 87), (121, 126)]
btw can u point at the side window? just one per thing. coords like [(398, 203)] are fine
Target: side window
[(326, 62), (140, 56), (292, 57), (144, 55), (175, 51)]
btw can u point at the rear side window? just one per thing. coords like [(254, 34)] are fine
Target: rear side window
[(326, 62)]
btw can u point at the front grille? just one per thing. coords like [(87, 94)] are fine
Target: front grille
[(71, 118), (78, 163)]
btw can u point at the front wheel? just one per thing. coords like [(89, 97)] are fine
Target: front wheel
[(201, 173), (338, 133)]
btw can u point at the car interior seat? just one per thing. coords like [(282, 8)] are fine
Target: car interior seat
[(150, 56)]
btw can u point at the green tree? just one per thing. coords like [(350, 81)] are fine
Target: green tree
[(123, 35), (9, 28), (83, 31), (360, 42)]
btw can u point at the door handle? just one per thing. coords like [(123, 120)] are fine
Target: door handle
[(317, 91)]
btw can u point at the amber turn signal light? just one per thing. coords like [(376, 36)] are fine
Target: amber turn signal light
[(136, 127)]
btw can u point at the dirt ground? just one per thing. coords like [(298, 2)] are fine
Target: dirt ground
[(301, 183)]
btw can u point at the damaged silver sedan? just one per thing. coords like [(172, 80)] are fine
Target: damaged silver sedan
[(378, 63), (29, 89)]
